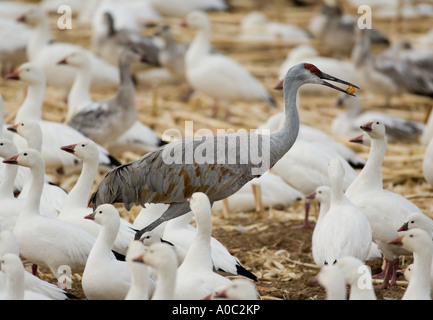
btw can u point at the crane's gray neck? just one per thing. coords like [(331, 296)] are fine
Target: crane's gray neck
[(283, 140)]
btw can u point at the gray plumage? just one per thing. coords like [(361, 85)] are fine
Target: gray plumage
[(106, 120), (227, 168)]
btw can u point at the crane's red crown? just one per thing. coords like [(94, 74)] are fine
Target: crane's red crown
[(313, 69)]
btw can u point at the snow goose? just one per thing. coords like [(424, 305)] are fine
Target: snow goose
[(43, 51), (358, 276), (15, 37), (255, 26), (322, 195), (419, 242), (140, 275), (47, 241), (181, 234), (385, 210), (104, 277), (344, 231), (108, 42), (238, 289), (114, 115), (332, 279), (117, 115), (230, 81), (54, 134), (53, 196), (195, 276), (417, 220), (305, 167), (173, 8), (9, 244), (75, 207), (162, 258), (13, 267), (346, 125), (335, 30), (11, 205), (275, 193)]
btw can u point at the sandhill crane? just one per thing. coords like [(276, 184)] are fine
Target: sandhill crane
[(171, 175)]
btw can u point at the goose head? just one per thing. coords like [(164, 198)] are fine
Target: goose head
[(27, 158), (27, 129), (105, 215), (417, 220), (198, 20), (29, 73), (76, 59), (7, 148), (414, 240), (375, 129), (199, 202), (33, 16), (84, 150)]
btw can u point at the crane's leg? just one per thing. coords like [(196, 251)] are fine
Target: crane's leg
[(174, 210), (305, 224)]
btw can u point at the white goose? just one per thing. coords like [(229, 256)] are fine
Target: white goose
[(195, 276), (238, 289), (255, 26), (53, 196), (42, 51), (358, 276), (418, 220), (332, 279), (47, 241), (230, 81), (344, 231), (75, 207), (140, 280), (162, 258), (54, 134), (12, 266), (385, 210), (346, 125), (181, 234), (322, 195), (117, 116), (11, 206), (305, 167), (419, 242), (9, 244), (105, 277)]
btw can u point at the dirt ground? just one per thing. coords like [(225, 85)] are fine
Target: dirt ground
[(279, 256)]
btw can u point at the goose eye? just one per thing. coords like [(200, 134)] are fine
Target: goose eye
[(377, 122), (1, 144), (100, 212), (25, 154), (412, 221), (411, 235), (22, 124), (83, 145)]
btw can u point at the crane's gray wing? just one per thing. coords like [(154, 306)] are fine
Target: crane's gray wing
[(151, 179)]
